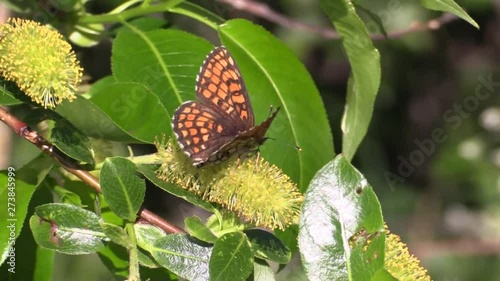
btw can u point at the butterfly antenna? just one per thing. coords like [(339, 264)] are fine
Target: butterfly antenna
[(271, 110), (287, 143)]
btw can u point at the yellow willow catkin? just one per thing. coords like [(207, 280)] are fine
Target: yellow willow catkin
[(254, 189), (39, 61), (400, 263)]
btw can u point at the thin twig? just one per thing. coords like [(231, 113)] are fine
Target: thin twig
[(32, 136), (433, 24), (264, 11), (462, 247)]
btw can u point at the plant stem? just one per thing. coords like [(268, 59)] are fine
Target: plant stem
[(132, 13), (196, 12), (174, 6), (133, 255)]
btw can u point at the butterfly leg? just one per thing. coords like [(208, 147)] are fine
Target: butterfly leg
[(242, 157), (258, 156), (256, 151)]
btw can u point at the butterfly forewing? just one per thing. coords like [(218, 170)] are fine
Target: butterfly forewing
[(220, 83)]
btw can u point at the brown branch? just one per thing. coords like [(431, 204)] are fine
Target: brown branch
[(264, 11), (433, 24), (462, 247), (32, 136)]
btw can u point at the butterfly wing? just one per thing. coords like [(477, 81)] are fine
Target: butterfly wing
[(220, 86), (222, 123), (201, 131)]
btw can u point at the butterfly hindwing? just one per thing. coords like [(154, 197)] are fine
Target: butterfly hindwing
[(199, 130)]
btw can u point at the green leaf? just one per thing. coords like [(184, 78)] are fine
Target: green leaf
[(93, 201), (7, 99), (146, 259), (183, 256), (289, 237), (6, 92), (116, 234), (92, 121), (232, 258), (149, 171), (98, 86), (122, 189), (65, 137), (27, 265), (143, 24), (373, 16), (383, 275), (339, 206), (86, 35), (196, 228), (222, 221), (14, 211), (115, 257), (448, 6), (71, 141), (130, 106), (167, 65), (67, 196), (147, 234), (67, 229), (262, 271), (364, 81), (274, 76), (16, 189), (44, 264), (267, 246)]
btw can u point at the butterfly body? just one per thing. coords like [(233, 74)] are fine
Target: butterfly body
[(221, 122)]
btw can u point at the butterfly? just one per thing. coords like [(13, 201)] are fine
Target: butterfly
[(221, 122)]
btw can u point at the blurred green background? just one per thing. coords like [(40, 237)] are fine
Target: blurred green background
[(432, 152)]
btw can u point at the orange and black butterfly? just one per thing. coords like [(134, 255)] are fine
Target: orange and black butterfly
[(221, 122)]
